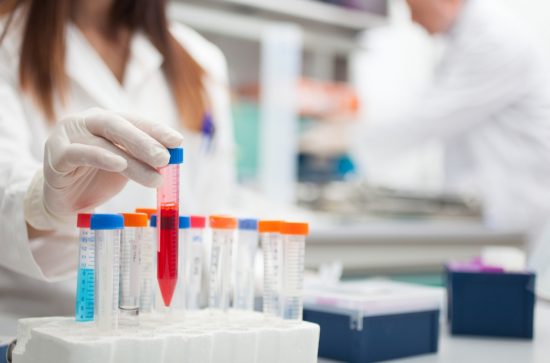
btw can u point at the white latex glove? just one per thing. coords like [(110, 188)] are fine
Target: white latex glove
[(89, 158)]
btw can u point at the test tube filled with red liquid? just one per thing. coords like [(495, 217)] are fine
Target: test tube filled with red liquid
[(168, 225)]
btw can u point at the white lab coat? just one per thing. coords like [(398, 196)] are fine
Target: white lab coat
[(207, 177), (489, 105)]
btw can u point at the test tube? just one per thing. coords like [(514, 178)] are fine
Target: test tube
[(84, 309), (130, 257), (272, 250), (294, 237), (245, 255), (147, 263), (167, 226), (107, 231), (195, 252), (223, 231), (156, 300), (179, 295)]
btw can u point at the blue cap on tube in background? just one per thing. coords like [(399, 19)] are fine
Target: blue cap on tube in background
[(106, 221), (176, 155), (249, 224), (153, 221), (185, 222)]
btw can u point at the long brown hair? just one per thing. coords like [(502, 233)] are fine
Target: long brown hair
[(42, 68)]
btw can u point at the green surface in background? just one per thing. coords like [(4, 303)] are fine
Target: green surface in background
[(246, 116), (246, 119), (427, 279), (421, 279)]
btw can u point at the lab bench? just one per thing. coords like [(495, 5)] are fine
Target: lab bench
[(491, 350), (402, 245)]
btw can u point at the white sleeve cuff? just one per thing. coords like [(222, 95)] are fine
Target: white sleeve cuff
[(49, 259)]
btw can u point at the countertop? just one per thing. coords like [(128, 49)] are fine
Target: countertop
[(491, 350)]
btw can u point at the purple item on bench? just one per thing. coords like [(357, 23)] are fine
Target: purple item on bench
[(475, 265)]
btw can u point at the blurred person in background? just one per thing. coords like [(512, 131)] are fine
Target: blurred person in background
[(489, 104), (92, 92)]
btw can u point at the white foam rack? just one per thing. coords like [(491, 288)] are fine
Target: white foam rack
[(197, 337)]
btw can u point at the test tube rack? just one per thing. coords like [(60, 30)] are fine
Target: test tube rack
[(196, 336)]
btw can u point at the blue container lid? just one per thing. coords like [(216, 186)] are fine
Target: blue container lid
[(249, 224), (153, 221), (176, 155), (185, 222), (106, 221)]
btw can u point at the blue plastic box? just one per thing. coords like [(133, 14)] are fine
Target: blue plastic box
[(4, 344), (491, 303), (375, 320)]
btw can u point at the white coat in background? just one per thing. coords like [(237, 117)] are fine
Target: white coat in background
[(207, 177), (489, 105)]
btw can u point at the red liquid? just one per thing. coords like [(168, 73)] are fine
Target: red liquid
[(167, 256)]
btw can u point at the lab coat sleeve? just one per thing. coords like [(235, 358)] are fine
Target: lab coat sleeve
[(483, 76), (45, 259)]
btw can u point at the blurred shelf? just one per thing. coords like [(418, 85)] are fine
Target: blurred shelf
[(394, 246), (314, 11), (326, 27)]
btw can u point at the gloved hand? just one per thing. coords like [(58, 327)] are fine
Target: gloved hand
[(89, 158)]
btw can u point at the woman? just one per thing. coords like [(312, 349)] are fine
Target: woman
[(90, 94)]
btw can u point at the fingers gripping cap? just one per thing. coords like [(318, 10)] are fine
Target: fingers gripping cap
[(107, 221), (223, 222), (270, 226), (184, 222), (135, 219), (176, 155), (83, 220)]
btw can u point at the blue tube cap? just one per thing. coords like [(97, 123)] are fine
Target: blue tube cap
[(176, 155), (153, 221), (248, 224), (185, 222), (106, 221)]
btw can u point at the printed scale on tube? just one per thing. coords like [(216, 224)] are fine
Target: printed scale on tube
[(84, 309), (130, 257), (191, 257), (195, 255), (294, 236), (168, 226), (107, 231), (147, 271), (223, 231), (245, 256), (272, 250), (178, 301)]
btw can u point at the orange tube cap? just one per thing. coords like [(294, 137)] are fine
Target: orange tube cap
[(135, 219), (223, 222), (270, 226), (295, 228)]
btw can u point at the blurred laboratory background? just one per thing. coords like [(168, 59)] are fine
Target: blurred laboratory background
[(304, 75), (414, 138)]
